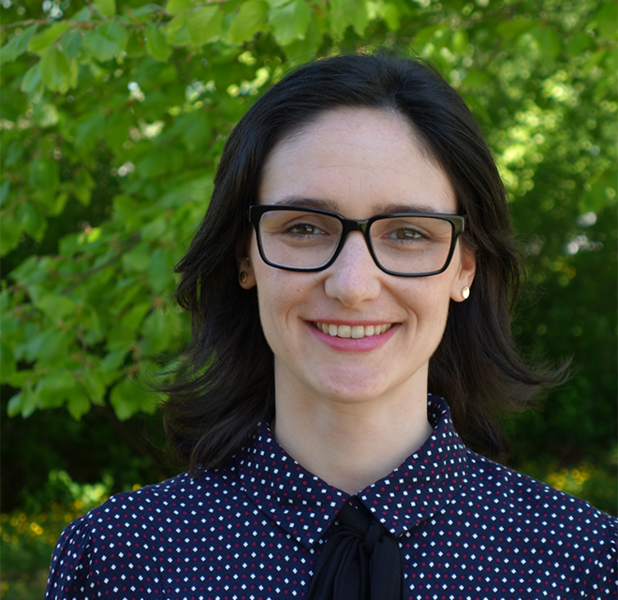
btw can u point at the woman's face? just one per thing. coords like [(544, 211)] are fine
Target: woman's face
[(358, 163)]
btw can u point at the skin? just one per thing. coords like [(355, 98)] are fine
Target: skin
[(351, 418)]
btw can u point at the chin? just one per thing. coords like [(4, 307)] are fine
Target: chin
[(350, 388)]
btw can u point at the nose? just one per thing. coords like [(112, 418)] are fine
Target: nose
[(354, 277)]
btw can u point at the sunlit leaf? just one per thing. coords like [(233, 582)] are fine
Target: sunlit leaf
[(204, 25), (156, 43), (179, 7), (55, 70), (249, 20), (42, 41), (348, 12), (105, 7), (290, 21)]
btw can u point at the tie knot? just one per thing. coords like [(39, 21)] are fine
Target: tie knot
[(374, 532), (361, 560)]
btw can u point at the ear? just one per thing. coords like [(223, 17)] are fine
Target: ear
[(467, 270), (245, 267)]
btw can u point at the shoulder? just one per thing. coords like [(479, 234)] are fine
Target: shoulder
[(161, 501), (522, 493), (133, 532), (548, 520)]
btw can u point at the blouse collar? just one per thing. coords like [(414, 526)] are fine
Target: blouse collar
[(305, 506)]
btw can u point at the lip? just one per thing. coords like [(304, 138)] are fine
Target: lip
[(366, 344)]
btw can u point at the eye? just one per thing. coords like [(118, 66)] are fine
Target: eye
[(406, 233), (305, 229)]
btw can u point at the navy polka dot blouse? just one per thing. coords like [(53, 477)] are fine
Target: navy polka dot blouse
[(468, 528)]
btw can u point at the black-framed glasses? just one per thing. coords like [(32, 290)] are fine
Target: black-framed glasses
[(309, 239)]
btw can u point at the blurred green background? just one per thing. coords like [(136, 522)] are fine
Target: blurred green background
[(113, 116)]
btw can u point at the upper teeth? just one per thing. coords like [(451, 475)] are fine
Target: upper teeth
[(353, 331)]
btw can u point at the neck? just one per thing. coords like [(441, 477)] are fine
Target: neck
[(351, 445)]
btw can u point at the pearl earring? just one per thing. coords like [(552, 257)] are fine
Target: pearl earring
[(465, 293)]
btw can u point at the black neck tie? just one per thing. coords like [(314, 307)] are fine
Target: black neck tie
[(360, 561)]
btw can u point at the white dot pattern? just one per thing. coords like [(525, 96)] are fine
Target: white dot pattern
[(468, 528)]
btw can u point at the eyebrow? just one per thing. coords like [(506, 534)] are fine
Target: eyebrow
[(404, 208), (378, 209), (308, 203)]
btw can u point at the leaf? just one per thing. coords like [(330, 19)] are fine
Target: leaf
[(348, 12), (128, 398), (91, 130), (14, 406), (475, 79), (176, 32), (31, 79), (133, 319), (55, 70), (113, 361), (579, 43), (55, 388), (392, 17), (154, 164), (20, 378), (598, 196), (42, 41), (7, 361), (606, 20), (305, 49), (595, 58), (290, 21), (50, 348), (78, 403), (84, 184), (31, 220), (94, 385), (460, 41), (248, 21), (204, 25), (106, 7), (179, 7), (10, 233), (425, 34), (44, 174), (17, 45), (160, 272), (549, 41), (198, 131), (25, 403), (135, 45), (106, 41), (56, 307), (156, 43), (159, 331), (45, 115), (514, 28), (137, 259), (4, 191), (71, 42)]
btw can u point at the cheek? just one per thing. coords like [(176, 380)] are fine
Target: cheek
[(280, 299)]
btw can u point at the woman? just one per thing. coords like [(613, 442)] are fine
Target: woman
[(356, 264)]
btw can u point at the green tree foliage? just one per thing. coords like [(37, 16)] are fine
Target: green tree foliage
[(114, 114)]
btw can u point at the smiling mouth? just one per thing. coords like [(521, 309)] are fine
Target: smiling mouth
[(356, 332)]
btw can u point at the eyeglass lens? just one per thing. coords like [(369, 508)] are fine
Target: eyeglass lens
[(409, 244)]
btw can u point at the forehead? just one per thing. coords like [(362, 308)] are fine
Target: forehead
[(359, 161)]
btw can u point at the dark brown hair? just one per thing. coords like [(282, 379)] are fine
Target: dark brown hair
[(226, 386)]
